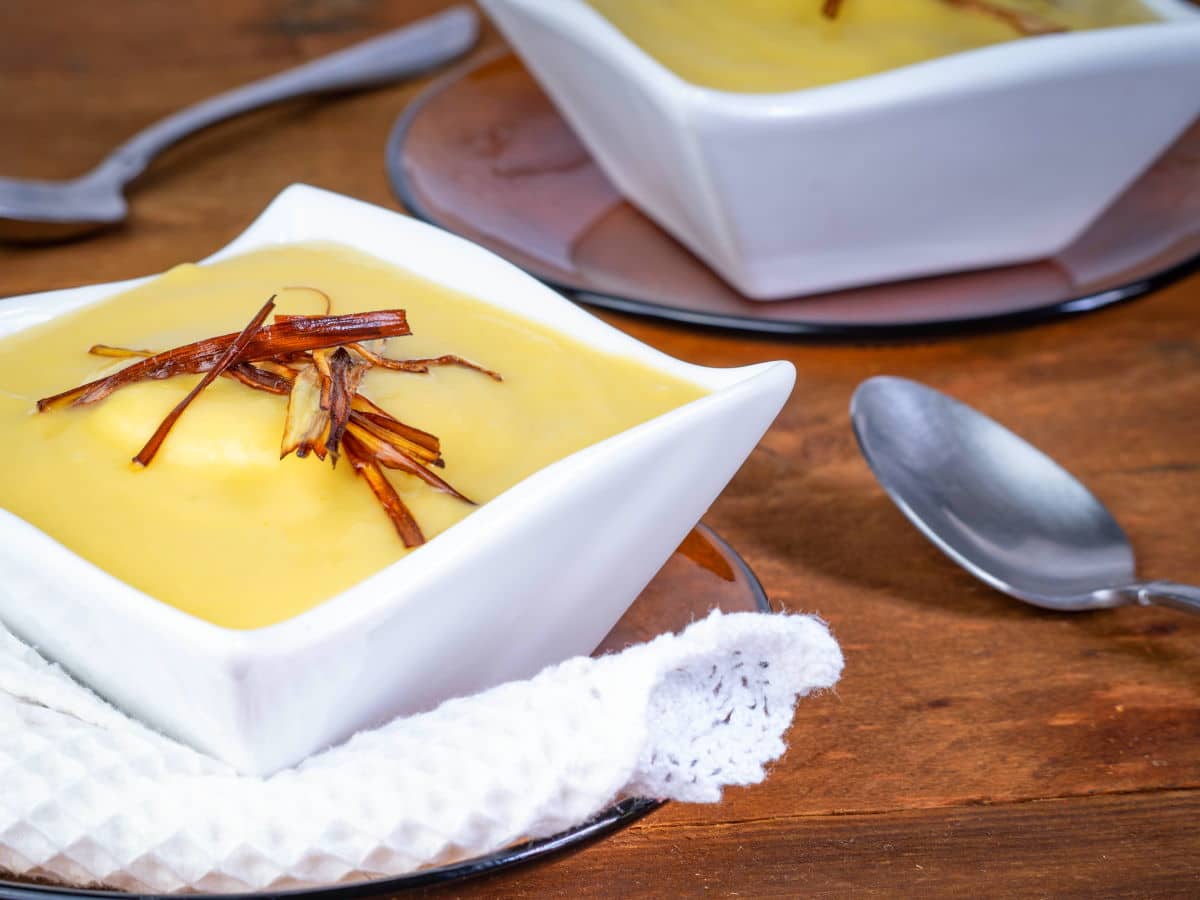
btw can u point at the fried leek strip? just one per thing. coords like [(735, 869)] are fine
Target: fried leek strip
[(148, 452), (289, 335), (1025, 23)]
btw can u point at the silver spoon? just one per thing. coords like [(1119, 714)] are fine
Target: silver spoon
[(35, 210), (998, 506)]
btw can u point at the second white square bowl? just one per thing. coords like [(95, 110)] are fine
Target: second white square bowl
[(999, 155)]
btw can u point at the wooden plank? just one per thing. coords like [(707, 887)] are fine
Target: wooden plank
[(1113, 846), (75, 84), (952, 692)]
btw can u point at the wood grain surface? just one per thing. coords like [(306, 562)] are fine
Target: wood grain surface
[(974, 744)]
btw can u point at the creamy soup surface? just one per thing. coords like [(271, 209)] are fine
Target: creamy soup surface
[(784, 45), (218, 525)]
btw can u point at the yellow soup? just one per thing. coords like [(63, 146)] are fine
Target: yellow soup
[(218, 525), (783, 45)]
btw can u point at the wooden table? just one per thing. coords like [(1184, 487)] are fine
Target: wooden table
[(974, 744)]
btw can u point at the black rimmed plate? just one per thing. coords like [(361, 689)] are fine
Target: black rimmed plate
[(704, 574)]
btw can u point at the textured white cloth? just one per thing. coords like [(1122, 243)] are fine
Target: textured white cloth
[(89, 797)]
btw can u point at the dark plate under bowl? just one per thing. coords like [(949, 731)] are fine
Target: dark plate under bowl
[(704, 574)]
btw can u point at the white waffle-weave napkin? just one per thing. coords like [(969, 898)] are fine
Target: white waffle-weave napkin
[(89, 797)]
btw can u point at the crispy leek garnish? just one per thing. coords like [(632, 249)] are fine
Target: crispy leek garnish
[(307, 421), (1026, 23), (318, 363)]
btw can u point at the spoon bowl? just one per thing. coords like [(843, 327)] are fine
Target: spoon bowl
[(997, 505)]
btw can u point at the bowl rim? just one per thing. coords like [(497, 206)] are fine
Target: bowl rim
[(365, 600), (956, 73)]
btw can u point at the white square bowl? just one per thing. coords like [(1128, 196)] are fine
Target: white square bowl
[(998, 155), (537, 575)]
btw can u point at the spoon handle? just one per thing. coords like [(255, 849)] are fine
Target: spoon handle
[(1167, 593), (399, 53)]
